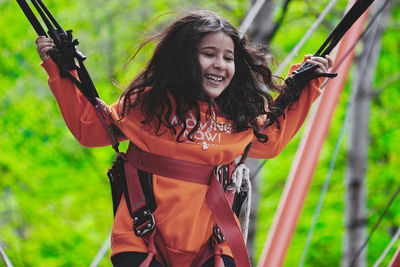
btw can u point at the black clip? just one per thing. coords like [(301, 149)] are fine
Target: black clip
[(222, 173), (300, 77), (218, 235), (306, 73), (143, 222)]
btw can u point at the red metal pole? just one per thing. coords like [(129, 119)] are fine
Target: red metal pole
[(395, 262), (304, 165)]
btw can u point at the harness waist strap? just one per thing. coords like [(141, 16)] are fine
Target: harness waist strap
[(168, 167)]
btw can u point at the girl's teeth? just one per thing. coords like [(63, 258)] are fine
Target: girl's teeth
[(213, 78)]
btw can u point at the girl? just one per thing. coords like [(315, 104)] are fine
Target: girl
[(198, 103)]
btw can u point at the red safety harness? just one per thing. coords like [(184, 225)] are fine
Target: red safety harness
[(132, 172), (131, 175)]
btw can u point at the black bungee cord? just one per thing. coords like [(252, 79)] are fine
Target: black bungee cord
[(331, 42)]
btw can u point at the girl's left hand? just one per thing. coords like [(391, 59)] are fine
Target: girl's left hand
[(324, 63)]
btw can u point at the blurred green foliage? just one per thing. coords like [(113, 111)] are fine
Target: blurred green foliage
[(55, 202)]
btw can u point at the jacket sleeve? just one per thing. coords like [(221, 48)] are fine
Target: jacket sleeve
[(78, 113), (290, 124)]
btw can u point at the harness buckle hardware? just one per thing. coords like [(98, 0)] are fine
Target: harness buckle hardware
[(222, 173), (143, 222), (218, 235)]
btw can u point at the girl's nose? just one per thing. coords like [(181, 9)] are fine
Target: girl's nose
[(220, 63)]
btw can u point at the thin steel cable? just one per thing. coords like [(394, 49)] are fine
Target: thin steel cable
[(294, 51), (326, 182), (250, 17), (398, 189), (351, 16), (375, 226), (385, 252), (102, 251), (333, 159), (305, 37), (362, 35), (6, 260), (345, 56)]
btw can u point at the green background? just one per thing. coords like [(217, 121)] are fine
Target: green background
[(55, 201)]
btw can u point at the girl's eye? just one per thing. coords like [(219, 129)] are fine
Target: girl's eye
[(229, 59), (208, 54)]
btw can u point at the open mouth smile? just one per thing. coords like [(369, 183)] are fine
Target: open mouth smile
[(214, 78)]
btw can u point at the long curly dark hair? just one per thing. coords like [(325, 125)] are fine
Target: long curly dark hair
[(171, 84)]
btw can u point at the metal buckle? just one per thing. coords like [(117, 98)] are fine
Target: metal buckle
[(222, 173), (217, 235), (143, 222)]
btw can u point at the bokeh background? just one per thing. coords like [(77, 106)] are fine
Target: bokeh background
[(55, 201)]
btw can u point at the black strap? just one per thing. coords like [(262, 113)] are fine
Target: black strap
[(238, 202), (141, 212), (298, 80), (64, 57), (347, 21), (146, 181), (305, 70), (115, 175), (65, 52), (31, 17)]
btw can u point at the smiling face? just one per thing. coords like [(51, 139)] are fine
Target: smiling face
[(216, 58)]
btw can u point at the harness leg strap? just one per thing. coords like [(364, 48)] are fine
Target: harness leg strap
[(218, 262), (223, 216)]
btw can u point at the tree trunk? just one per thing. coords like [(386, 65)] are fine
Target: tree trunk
[(263, 23), (264, 27), (257, 34), (356, 213), (261, 31)]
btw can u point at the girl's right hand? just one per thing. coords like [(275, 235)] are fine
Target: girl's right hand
[(44, 45)]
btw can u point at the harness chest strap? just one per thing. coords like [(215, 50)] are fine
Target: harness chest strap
[(195, 173)]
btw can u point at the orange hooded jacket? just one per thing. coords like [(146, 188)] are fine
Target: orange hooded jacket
[(182, 215)]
